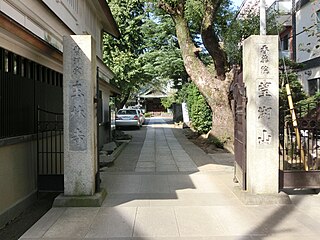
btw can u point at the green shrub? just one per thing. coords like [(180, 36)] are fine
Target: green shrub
[(147, 114), (199, 111), (168, 101)]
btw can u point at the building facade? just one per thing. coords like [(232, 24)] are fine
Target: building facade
[(31, 67), (299, 37), (308, 44)]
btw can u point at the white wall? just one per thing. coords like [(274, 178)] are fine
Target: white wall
[(308, 74), (35, 17), (307, 40), (17, 176), (80, 16)]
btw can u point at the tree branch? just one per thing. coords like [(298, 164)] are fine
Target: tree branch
[(210, 39), (172, 10), (166, 7), (123, 100)]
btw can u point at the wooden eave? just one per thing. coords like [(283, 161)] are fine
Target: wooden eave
[(109, 25), (19, 31)]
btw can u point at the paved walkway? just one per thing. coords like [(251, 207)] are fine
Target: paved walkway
[(164, 187)]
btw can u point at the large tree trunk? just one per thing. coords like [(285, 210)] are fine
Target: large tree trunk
[(124, 98), (213, 86)]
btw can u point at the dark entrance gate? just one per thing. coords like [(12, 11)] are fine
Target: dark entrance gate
[(239, 110), (49, 151), (50, 161), (300, 148)]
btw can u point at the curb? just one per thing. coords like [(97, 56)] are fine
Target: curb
[(95, 200), (113, 156), (261, 199)]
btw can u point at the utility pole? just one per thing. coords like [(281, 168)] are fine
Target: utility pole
[(263, 21), (294, 31)]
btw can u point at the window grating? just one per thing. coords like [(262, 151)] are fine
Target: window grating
[(24, 85)]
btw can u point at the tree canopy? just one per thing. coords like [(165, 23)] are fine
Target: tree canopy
[(173, 39), (123, 55), (147, 52)]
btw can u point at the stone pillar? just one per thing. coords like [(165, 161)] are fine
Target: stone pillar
[(261, 77), (79, 75), (185, 113)]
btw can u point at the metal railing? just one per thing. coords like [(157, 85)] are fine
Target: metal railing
[(301, 152), (300, 148), (50, 146)]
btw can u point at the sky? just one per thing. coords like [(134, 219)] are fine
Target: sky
[(237, 3)]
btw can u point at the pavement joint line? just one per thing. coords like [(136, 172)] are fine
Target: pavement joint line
[(211, 191)]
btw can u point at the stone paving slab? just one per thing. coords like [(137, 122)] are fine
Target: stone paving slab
[(167, 168), (42, 226), (113, 222), (156, 221), (148, 203), (145, 169)]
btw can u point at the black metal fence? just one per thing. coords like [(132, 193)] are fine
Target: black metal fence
[(300, 147), (50, 150), (24, 85)]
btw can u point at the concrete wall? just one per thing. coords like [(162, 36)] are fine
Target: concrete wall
[(307, 47), (307, 40), (17, 178), (305, 75)]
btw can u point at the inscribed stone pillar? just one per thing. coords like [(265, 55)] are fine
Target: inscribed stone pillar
[(261, 77), (79, 72)]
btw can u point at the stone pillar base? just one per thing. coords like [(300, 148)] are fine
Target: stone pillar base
[(80, 201), (248, 198)]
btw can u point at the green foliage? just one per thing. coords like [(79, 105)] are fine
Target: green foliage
[(199, 111), (124, 55), (239, 30), (288, 75), (164, 64), (194, 12), (243, 27), (216, 141), (147, 51), (168, 101), (297, 91), (147, 114), (158, 29), (306, 105), (162, 56)]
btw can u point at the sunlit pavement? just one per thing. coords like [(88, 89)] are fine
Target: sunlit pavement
[(164, 187)]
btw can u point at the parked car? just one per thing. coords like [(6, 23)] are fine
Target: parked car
[(128, 118)]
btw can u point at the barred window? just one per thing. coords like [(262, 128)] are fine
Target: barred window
[(313, 86), (6, 61), (24, 85)]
